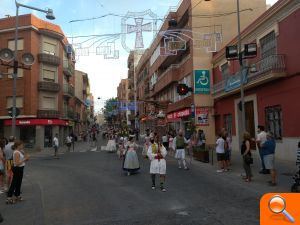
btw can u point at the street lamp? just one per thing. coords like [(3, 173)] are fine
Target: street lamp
[(50, 16), (240, 57)]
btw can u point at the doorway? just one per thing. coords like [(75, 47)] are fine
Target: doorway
[(249, 120), (48, 137)]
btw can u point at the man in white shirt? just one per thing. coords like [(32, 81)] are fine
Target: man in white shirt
[(260, 140), (220, 149), (55, 145), (179, 144)]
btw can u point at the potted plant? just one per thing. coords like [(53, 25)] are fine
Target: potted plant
[(201, 154)]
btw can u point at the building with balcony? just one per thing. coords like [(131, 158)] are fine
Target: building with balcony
[(44, 91), (271, 80), (122, 95), (183, 48), (133, 60), (80, 104)]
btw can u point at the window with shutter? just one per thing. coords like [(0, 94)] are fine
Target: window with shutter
[(48, 102), (19, 102), (20, 45)]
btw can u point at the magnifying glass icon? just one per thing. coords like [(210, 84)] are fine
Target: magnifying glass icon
[(277, 205)]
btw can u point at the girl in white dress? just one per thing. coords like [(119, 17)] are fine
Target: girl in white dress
[(157, 153), (131, 162), (111, 144)]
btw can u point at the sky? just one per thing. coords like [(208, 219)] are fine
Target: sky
[(104, 74)]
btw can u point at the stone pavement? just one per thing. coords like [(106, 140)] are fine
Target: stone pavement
[(285, 171)]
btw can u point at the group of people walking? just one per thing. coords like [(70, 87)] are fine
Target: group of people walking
[(12, 163)]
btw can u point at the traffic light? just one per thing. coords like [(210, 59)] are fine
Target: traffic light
[(183, 89)]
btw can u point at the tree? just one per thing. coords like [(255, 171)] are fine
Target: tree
[(111, 109)]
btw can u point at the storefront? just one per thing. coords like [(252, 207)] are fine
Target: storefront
[(38, 133), (179, 119)]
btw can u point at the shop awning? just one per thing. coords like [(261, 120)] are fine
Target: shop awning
[(32, 122)]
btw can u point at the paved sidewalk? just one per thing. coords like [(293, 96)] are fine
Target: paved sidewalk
[(285, 172), (80, 146)]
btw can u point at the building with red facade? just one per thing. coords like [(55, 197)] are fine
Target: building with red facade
[(45, 93), (272, 80)]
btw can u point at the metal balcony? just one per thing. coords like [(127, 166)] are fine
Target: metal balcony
[(68, 90), (48, 86), (51, 114), (68, 68), (263, 71), (49, 59)]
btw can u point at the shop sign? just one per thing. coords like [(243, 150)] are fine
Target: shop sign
[(234, 82), (32, 122), (179, 114), (202, 116), (202, 81)]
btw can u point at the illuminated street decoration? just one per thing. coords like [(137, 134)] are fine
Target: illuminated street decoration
[(138, 28), (176, 40)]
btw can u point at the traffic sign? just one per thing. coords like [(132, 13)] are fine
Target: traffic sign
[(10, 112)]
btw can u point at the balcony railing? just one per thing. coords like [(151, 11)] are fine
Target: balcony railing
[(268, 68), (49, 59), (48, 86), (68, 68), (68, 90), (69, 113), (48, 113)]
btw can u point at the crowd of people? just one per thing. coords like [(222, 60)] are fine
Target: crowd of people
[(156, 148)]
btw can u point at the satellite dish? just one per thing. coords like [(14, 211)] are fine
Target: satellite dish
[(6, 55), (27, 59)]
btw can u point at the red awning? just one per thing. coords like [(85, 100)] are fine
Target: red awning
[(32, 122)]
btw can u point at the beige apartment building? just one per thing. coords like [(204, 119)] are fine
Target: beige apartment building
[(182, 53)]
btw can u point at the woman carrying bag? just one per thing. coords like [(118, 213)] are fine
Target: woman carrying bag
[(19, 159)]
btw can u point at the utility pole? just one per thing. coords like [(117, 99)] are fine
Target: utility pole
[(243, 125)]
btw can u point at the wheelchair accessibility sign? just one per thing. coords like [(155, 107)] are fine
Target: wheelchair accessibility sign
[(202, 81)]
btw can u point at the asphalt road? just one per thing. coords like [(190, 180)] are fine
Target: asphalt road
[(89, 188)]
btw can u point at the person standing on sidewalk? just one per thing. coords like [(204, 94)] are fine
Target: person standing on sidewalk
[(220, 150), (2, 165), (157, 154), (268, 152), (179, 144), (247, 157), (260, 140), (8, 152), (19, 159), (69, 140), (55, 146)]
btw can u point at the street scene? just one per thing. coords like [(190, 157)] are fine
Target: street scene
[(174, 112)]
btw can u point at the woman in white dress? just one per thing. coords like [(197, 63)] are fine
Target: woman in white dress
[(131, 162), (157, 153), (111, 144)]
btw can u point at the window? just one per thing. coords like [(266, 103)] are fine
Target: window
[(228, 123), (20, 45), (268, 45), (274, 121), (48, 102), (10, 71), (49, 48), (225, 70), (19, 102), (49, 73)]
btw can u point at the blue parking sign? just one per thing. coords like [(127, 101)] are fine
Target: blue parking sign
[(202, 82)]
